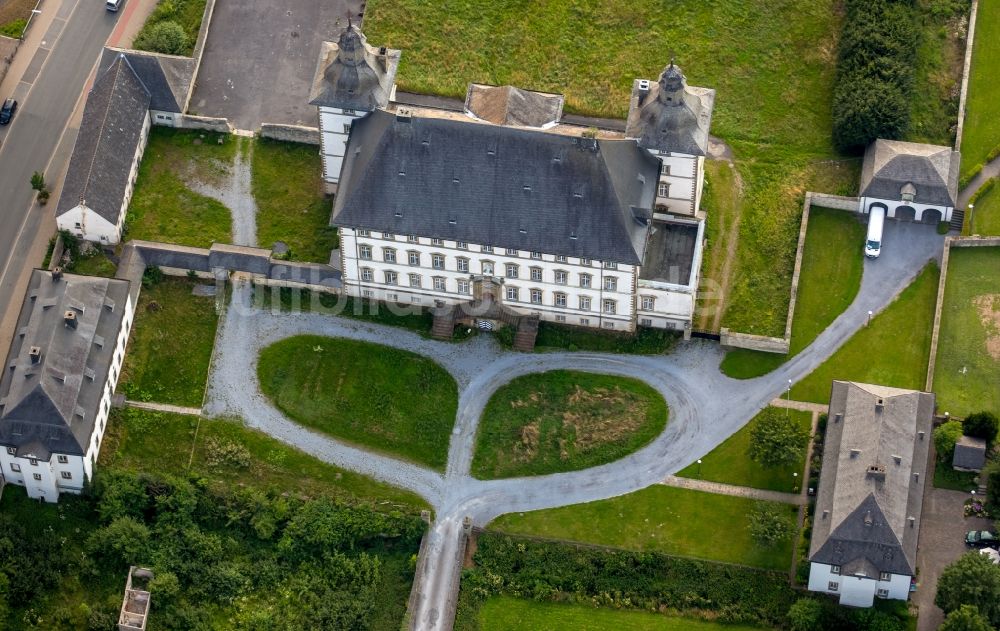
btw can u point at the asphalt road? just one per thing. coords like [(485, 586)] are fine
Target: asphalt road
[(47, 96)]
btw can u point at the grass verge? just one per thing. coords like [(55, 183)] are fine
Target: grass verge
[(660, 518), (721, 202), (377, 396), (287, 181), (730, 462), (967, 369), (982, 122), (985, 219), (163, 207), (892, 351), (170, 346), (947, 478), (829, 280), (564, 420), (227, 453)]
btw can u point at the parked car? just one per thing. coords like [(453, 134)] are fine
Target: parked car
[(982, 539), (873, 240), (7, 111), (114, 5)]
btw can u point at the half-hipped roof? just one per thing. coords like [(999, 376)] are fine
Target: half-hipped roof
[(928, 173)]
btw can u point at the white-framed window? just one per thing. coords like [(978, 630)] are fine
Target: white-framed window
[(462, 263), (609, 325), (513, 293), (66, 475), (610, 265), (37, 476), (389, 255), (664, 168), (488, 268), (663, 189), (648, 303), (560, 299), (349, 112), (412, 238), (560, 318), (437, 261), (367, 275), (16, 468), (439, 284), (388, 236), (536, 296), (584, 303), (537, 256), (882, 593), (391, 278), (610, 283), (347, 128), (392, 297), (536, 274), (365, 252), (645, 322), (367, 293), (33, 462), (584, 321), (586, 280), (413, 258), (461, 245), (511, 251), (464, 287), (561, 277), (487, 248), (77, 225), (437, 242), (364, 233), (832, 586), (834, 569), (415, 300), (586, 262), (11, 450), (610, 306), (511, 269), (62, 459), (885, 576), (560, 258), (414, 280)]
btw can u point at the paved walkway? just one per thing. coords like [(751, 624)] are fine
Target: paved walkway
[(990, 170), (736, 491), (799, 405), (706, 407), (163, 407)]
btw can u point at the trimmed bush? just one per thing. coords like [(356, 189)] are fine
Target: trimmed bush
[(945, 438), (983, 425), (166, 37), (970, 175)]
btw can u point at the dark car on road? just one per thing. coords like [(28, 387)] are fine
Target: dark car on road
[(982, 539), (7, 111)]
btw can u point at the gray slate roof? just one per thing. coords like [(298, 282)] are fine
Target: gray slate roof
[(507, 105), (109, 136), (862, 515), (970, 453), (51, 406), (353, 75), (670, 115), (891, 165), (167, 78), (500, 186)]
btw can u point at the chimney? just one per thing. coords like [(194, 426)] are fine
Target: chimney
[(838, 417), (912, 520), (868, 519), (56, 274), (879, 406), (35, 353), (69, 318)]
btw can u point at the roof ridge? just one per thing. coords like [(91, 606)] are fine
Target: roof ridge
[(100, 133)]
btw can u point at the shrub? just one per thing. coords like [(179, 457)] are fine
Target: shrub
[(805, 615), (226, 453), (166, 37), (125, 541), (986, 187), (37, 181), (983, 425), (969, 176), (971, 580), (768, 526), (865, 109), (945, 438), (776, 440), (965, 618), (152, 276)]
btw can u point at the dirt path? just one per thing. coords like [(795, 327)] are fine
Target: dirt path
[(235, 193), (717, 279)]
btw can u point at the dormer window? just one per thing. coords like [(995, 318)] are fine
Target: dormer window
[(908, 192)]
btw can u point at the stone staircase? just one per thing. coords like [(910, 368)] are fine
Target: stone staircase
[(527, 330), (444, 322), (957, 219)]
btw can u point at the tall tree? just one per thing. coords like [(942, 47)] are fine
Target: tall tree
[(971, 580), (966, 618), (776, 440)]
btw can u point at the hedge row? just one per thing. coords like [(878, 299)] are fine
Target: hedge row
[(878, 50)]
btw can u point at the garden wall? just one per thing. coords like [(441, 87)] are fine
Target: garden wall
[(207, 123), (730, 340), (966, 67), (290, 133), (199, 49)]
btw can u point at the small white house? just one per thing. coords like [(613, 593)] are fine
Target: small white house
[(910, 181), (105, 161), (867, 517), (62, 369)]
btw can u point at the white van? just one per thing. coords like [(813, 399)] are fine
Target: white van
[(873, 242), (113, 5)]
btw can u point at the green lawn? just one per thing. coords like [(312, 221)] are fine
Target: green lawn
[(287, 180), (722, 204), (730, 463), (170, 346), (985, 219), (828, 282), (967, 371), (982, 121), (163, 207), (946, 477), (892, 351), (564, 421), (95, 264), (502, 613), (160, 443), (662, 518), (380, 397)]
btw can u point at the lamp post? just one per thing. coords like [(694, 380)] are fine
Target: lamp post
[(699, 468), (869, 319), (972, 227), (795, 480)]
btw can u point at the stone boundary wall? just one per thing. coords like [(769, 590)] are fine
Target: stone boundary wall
[(799, 250), (949, 243), (290, 133), (966, 67), (8, 49), (207, 123), (199, 50), (837, 202), (763, 343), (57, 252)]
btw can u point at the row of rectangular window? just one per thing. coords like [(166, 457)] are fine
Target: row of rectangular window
[(488, 249), (34, 462), (883, 576), (16, 468)]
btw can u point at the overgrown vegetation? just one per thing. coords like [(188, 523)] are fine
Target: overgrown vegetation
[(730, 462), (14, 29), (893, 350), (252, 559), (564, 421), (552, 336), (172, 28), (943, 27), (384, 398), (170, 345), (287, 180)]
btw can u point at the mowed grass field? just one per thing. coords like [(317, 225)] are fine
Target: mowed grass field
[(517, 614), (985, 218), (967, 370), (892, 351), (674, 521), (982, 122), (384, 398), (564, 420), (730, 462), (170, 347)]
